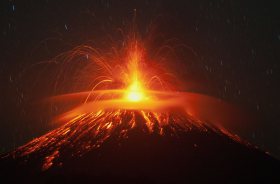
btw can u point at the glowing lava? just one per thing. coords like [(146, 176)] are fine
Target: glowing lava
[(135, 92)]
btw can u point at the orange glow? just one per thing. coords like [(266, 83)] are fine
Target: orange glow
[(135, 93)]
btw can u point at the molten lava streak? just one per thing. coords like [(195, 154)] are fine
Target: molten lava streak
[(135, 103)]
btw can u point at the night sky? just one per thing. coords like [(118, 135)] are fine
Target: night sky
[(233, 54)]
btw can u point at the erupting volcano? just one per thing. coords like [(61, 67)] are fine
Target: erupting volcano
[(135, 126)]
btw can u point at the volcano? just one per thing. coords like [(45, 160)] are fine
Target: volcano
[(135, 147)]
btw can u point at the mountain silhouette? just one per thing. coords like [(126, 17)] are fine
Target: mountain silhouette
[(125, 147)]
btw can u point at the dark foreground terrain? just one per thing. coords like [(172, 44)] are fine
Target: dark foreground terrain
[(193, 156)]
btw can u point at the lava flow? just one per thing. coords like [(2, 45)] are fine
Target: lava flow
[(129, 95)]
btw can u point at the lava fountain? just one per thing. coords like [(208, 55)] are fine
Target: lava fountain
[(125, 96)]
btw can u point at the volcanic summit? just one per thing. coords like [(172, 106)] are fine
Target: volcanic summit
[(134, 147)]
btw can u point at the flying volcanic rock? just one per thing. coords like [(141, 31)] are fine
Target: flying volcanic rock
[(138, 147)]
